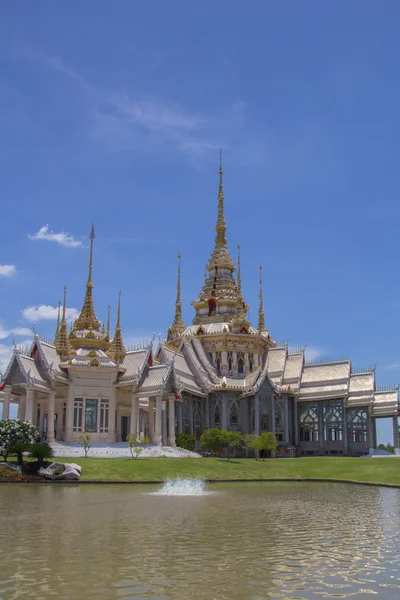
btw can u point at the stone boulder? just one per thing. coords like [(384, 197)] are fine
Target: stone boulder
[(61, 471)]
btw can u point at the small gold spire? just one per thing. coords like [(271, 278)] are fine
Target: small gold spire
[(63, 346), (261, 320), (178, 325), (58, 322), (117, 349), (107, 336), (103, 330)]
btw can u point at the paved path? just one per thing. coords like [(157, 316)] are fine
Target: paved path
[(118, 450)]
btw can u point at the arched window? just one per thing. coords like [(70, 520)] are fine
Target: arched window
[(251, 363), (217, 416), (218, 364), (233, 415), (240, 366), (212, 307)]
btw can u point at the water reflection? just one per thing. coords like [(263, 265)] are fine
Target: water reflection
[(247, 541)]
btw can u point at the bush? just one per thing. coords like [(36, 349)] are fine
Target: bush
[(41, 452), (187, 441), (15, 437)]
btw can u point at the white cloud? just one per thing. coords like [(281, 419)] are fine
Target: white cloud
[(7, 270), (62, 238), (18, 331), (314, 352), (5, 356), (392, 367), (47, 313)]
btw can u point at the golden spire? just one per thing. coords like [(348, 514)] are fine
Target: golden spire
[(239, 277), (58, 322), (107, 336), (63, 346), (261, 320), (220, 240), (117, 349), (178, 325), (87, 319)]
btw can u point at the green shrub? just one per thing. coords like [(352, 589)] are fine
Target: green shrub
[(15, 437), (187, 441), (41, 452)]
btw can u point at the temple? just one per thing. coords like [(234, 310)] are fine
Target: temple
[(220, 371)]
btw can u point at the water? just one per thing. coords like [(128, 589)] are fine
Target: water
[(183, 487), (251, 541)]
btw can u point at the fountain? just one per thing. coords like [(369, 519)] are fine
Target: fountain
[(182, 487)]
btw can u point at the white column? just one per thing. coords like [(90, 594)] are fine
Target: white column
[(257, 415), (112, 407), (395, 432), (30, 401), (171, 421), (134, 414), (21, 408), (286, 420), (69, 416), (50, 417), (296, 424), (151, 420), (6, 401), (157, 431), (164, 425)]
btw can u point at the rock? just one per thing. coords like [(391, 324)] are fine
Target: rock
[(61, 471)]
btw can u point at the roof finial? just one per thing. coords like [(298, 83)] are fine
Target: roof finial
[(261, 320), (107, 337)]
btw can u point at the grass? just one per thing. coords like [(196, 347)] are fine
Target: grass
[(378, 470), (375, 470)]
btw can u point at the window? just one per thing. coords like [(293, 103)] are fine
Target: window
[(308, 422), (104, 410), (251, 363), (212, 307), (357, 425), (78, 412), (229, 361), (91, 416), (333, 421), (233, 415), (217, 416)]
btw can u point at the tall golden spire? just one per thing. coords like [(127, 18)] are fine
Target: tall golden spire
[(58, 322), (117, 349), (220, 240), (87, 319), (62, 344), (261, 320)]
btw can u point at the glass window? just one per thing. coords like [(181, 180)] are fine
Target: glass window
[(91, 416), (104, 409)]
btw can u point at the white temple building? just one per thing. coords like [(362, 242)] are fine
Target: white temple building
[(220, 371)]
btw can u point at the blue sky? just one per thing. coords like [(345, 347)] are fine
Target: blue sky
[(114, 113)]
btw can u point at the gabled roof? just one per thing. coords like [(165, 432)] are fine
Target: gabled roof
[(157, 380), (135, 363), (23, 370), (386, 404)]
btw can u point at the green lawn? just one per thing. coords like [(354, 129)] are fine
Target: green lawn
[(380, 470)]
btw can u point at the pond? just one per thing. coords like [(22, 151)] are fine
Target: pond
[(238, 541)]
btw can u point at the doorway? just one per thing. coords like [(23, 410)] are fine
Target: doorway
[(125, 426)]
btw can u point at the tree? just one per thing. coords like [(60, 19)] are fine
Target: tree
[(268, 442), (15, 437), (134, 445), (212, 440), (252, 442), (235, 441), (186, 441), (41, 452), (84, 441)]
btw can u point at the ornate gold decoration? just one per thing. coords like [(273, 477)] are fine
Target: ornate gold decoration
[(107, 336), (94, 363), (92, 353), (117, 349)]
